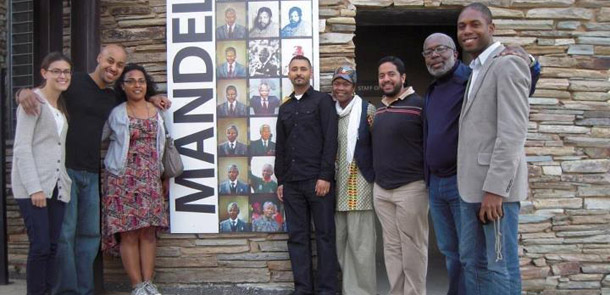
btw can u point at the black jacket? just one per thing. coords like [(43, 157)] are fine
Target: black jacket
[(306, 144)]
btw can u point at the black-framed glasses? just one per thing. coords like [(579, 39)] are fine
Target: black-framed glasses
[(131, 82), (438, 50), (57, 72)]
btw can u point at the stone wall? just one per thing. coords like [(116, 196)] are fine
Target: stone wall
[(3, 33), (565, 223)]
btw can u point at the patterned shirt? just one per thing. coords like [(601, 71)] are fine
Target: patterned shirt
[(353, 191)]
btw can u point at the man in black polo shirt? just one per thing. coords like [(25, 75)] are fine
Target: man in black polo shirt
[(305, 153), (400, 198), (89, 100)]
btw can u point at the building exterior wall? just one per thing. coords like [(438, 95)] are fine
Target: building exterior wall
[(565, 223), (3, 32)]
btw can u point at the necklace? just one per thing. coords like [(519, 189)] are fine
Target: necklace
[(135, 115)]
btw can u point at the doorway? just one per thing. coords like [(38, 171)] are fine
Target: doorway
[(401, 32)]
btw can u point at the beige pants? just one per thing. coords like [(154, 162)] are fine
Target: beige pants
[(356, 238), (403, 213)]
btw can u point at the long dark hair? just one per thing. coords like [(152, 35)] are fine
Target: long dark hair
[(45, 64), (151, 86)]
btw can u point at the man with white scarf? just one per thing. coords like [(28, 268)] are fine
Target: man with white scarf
[(355, 218)]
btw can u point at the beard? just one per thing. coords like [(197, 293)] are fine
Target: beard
[(262, 26), (394, 92), (294, 24), (447, 66)]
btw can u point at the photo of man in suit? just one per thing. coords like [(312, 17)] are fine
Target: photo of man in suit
[(232, 185), (232, 147), (297, 26), (263, 25), (231, 68), (263, 104), (265, 184), (491, 166), (231, 29), (267, 222), (263, 146), (231, 107), (233, 223)]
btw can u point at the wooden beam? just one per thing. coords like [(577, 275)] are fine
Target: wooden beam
[(48, 31), (85, 34), (406, 17)]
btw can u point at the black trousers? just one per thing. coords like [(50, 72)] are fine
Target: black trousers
[(43, 227), (300, 205)]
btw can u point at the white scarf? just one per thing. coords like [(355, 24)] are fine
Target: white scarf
[(354, 111)]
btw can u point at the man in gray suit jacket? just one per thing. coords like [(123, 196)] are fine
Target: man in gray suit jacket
[(232, 147), (232, 185), (232, 107), (263, 146), (492, 172), (231, 68), (230, 30), (233, 223)]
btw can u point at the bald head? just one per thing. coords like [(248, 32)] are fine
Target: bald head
[(440, 38), (110, 64), (439, 54)]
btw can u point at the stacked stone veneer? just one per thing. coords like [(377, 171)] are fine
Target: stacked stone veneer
[(3, 33), (565, 223)]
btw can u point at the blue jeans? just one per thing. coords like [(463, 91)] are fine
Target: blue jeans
[(300, 205), (487, 271), (445, 212), (43, 226), (80, 235)]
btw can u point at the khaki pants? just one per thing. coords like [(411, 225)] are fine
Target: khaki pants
[(356, 251), (403, 213)]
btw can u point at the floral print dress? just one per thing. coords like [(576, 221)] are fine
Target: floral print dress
[(134, 200)]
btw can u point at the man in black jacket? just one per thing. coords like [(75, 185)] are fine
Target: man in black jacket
[(306, 148)]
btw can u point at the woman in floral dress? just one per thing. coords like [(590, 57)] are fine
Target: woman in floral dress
[(133, 206)]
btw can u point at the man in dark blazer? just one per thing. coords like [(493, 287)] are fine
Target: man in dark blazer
[(231, 107), (232, 185), (232, 147), (263, 104), (230, 30), (231, 68), (491, 166), (233, 223), (263, 146)]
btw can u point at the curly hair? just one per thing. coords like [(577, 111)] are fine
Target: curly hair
[(151, 86)]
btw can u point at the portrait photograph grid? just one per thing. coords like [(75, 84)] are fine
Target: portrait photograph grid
[(255, 41)]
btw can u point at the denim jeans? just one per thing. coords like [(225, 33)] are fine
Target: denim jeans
[(43, 226), (445, 212), (300, 204), (80, 235), (488, 269)]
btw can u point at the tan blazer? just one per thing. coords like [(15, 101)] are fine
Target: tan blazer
[(493, 128)]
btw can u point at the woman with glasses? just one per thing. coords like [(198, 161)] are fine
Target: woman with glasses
[(40, 182), (133, 206)]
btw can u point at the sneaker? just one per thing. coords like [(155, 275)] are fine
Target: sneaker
[(151, 289), (139, 289)]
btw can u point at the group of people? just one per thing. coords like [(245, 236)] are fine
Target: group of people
[(61, 126), (339, 161), (457, 152)]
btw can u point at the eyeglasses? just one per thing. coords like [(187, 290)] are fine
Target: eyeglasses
[(438, 50), (58, 72), (131, 82)]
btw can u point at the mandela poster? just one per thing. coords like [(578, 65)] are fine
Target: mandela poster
[(227, 72)]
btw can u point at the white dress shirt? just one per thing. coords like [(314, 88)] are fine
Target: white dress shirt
[(478, 63)]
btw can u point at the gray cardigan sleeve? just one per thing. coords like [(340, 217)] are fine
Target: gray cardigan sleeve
[(22, 150)]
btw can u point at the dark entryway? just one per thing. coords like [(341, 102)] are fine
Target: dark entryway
[(401, 32)]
